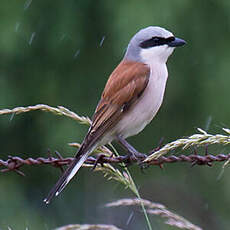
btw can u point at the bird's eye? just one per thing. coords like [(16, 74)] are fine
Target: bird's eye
[(170, 39), (154, 41)]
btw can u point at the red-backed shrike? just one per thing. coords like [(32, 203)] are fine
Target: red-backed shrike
[(132, 96)]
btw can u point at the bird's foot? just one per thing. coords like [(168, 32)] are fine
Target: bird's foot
[(133, 154), (98, 160)]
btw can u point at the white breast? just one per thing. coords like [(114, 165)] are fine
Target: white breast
[(142, 112)]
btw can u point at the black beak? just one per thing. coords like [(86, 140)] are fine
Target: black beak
[(177, 42)]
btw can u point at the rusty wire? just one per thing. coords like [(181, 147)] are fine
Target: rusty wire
[(14, 163)]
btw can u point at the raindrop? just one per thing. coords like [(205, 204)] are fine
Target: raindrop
[(130, 217), (17, 26), (76, 54), (208, 123), (32, 38), (221, 173), (102, 41), (12, 116), (27, 4), (63, 36)]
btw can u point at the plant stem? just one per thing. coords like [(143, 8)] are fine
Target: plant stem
[(134, 189)]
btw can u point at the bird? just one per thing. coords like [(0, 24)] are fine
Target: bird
[(131, 98)]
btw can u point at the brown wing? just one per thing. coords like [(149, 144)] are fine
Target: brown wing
[(124, 86)]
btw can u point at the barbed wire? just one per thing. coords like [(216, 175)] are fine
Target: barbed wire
[(14, 163)]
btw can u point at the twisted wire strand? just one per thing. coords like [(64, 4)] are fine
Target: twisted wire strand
[(14, 163)]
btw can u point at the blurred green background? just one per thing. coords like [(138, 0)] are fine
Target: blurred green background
[(61, 53)]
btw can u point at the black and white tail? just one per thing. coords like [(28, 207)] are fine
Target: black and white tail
[(69, 173)]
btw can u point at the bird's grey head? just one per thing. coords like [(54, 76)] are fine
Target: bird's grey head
[(152, 44)]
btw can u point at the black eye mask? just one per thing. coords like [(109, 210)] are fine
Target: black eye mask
[(156, 41)]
